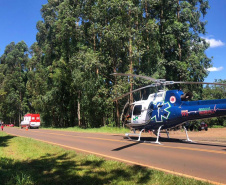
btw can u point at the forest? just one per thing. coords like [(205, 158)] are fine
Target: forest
[(65, 76)]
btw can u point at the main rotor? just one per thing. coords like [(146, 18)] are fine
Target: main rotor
[(158, 82)]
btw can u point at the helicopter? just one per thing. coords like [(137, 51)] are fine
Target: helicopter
[(168, 108)]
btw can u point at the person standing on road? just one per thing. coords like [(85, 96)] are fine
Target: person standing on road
[(2, 126)]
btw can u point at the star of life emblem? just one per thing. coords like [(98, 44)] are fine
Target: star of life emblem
[(159, 111)]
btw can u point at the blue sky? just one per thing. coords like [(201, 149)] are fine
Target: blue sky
[(18, 21), (216, 36), (19, 18)]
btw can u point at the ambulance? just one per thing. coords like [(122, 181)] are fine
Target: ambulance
[(31, 121)]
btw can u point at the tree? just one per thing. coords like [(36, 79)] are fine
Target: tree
[(215, 92), (13, 82)]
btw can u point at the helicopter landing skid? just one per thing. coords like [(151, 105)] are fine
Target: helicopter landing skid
[(157, 140), (187, 140), (139, 135), (134, 134)]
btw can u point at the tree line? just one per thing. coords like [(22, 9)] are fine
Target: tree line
[(65, 75)]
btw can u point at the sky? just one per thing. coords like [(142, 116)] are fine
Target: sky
[(216, 36), (18, 20)]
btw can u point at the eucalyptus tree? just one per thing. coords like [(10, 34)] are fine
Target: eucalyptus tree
[(13, 71), (182, 48), (57, 37), (68, 39), (83, 42), (37, 84)]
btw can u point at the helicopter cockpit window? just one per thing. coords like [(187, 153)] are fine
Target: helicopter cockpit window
[(137, 110)]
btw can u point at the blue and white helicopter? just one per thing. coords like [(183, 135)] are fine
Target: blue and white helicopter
[(169, 108)]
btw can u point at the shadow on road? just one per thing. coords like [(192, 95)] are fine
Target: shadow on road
[(173, 140), (126, 146), (60, 169)]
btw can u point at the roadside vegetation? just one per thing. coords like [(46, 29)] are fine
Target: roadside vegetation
[(25, 161), (104, 129), (194, 126)]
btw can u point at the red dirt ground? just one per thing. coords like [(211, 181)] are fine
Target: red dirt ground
[(213, 134)]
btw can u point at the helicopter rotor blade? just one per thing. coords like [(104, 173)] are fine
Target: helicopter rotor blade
[(157, 82), (138, 76), (119, 97), (211, 83), (164, 82)]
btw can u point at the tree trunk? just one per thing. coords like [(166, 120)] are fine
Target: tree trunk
[(178, 40), (122, 117), (117, 105), (78, 112), (131, 61), (131, 69), (117, 114), (162, 30)]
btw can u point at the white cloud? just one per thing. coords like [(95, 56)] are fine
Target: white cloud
[(215, 68), (214, 43)]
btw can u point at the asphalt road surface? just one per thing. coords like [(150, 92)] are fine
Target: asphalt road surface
[(200, 160)]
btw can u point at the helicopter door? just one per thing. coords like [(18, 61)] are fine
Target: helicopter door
[(137, 114)]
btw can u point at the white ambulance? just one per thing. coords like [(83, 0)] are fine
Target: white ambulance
[(31, 121)]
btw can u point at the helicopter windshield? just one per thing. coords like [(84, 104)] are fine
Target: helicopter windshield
[(157, 97)]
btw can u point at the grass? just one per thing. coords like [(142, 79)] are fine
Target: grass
[(25, 161), (105, 129), (217, 126)]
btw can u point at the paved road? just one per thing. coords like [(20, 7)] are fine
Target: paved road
[(198, 160)]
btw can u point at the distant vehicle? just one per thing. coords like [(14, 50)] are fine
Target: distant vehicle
[(11, 125), (203, 126), (31, 121)]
